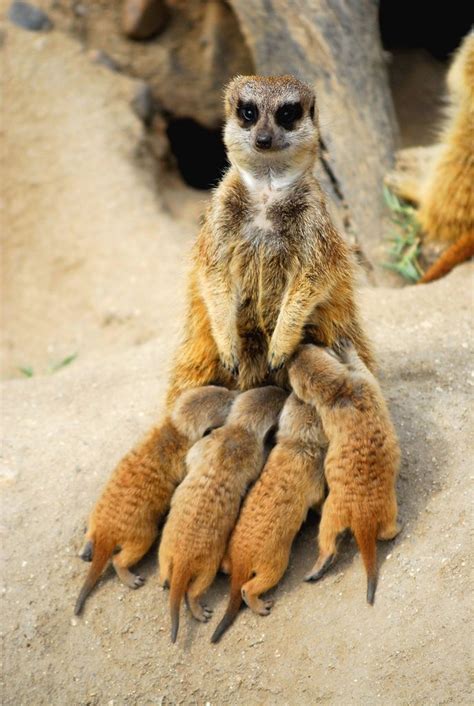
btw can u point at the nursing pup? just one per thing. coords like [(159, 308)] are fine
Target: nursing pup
[(363, 455), (205, 506), (274, 510), (124, 522)]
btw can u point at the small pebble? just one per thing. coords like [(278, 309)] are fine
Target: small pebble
[(100, 57), (28, 16), (142, 103)]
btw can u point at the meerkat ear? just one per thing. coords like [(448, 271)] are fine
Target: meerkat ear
[(313, 111), (231, 92)]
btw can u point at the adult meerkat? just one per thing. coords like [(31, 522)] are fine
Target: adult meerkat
[(362, 460), (269, 267), (205, 506), (274, 510), (124, 523), (440, 178)]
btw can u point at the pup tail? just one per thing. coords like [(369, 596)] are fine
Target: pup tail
[(178, 587), (366, 538), (235, 601), (101, 554)]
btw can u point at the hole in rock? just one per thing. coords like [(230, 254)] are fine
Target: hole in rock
[(199, 152)]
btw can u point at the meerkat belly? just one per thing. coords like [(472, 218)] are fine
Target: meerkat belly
[(261, 286), (260, 281)]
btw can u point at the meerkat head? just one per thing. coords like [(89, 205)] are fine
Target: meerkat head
[(271, 123)]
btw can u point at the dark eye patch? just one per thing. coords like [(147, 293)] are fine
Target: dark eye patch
[(287, 114), (248, 113)]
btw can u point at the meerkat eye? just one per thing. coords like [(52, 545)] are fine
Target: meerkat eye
[(248, 113), (287, 114)]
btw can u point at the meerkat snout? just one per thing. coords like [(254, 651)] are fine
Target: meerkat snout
[(270, 115)]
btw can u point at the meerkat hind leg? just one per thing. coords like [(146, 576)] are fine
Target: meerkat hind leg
[(199, 611), (390, 531), (128, 556), (322, 565), (329, 529), (193, 597), (251, 592)]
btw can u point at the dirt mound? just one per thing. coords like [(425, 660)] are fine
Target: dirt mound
[(322, 643), (84, 214)]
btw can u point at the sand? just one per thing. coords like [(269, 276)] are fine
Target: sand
[(95, 252)]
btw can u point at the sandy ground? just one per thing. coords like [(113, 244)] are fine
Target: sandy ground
[(94, 260), (91, 243)]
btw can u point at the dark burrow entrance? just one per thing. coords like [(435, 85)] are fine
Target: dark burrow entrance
[(436, 27), (199, 152)]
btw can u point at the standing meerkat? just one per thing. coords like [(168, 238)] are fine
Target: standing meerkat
[(269, 268), (440, 178), (205, 506), (363, 456), (124, 523), (274, 510)]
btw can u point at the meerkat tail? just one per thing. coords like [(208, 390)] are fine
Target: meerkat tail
[(233, 607), (101, 555), (178, 587), (457, 253), (366, 538)]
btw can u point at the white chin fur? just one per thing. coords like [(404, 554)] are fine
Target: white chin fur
[(271, 180)]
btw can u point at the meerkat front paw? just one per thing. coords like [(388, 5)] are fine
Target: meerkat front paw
[(276, 361), (230, 361)]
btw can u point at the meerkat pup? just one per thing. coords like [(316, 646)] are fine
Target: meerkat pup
[(269, 268), (205, 506), (362, 460), (291, 482), (124, 523)]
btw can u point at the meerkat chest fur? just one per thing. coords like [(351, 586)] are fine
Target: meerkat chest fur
[(268, 198), (263, 235)]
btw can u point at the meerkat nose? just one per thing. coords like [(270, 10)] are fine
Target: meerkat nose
[(264, 141)]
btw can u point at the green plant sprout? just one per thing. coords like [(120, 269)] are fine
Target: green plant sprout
[(62, 363), (28, 371), (406, 241)]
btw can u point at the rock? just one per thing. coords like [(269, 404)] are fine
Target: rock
[(142, 19), (142, 103), (29, 17), (97, 56)]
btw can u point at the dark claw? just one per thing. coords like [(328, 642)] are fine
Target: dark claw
[(233, 369), (275, 368), (139, 581)]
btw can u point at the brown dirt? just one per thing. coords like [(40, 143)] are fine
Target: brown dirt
[(94, 260)]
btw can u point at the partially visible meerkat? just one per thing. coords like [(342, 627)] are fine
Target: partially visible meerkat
[(362, 460), (124, 523), (440, 178), (291, 482), (205, 506), (269, 268)]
